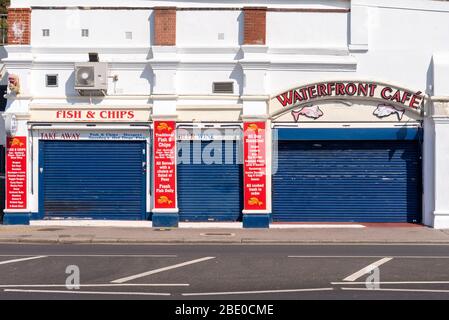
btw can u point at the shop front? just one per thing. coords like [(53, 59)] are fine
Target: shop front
[(80, 164), (347, 152), (210, 173), (198, 173)]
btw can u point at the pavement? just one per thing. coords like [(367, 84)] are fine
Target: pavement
[(370, 233)]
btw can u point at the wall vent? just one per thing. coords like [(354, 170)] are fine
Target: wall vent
[(223, 87), (51, 80)]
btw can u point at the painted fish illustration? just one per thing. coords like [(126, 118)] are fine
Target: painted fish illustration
[(164, 200), (385, 110), (253, 127), (164, 127), (16, 143), (313, 112), (255, 202)]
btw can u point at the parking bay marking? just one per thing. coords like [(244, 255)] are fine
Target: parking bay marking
[(101, 285), (101, 255), (148, 273), (255, 292), (391, 282), (22, 259), (367, 269), (89, 292), (397, 290), (374, 257)]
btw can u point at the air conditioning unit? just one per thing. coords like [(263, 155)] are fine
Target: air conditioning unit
[(91, 78)]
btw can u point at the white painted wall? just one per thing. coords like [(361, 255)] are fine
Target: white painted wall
[(301, 48), (204, 80), (307, 29), (209, 28), (106, 28), (400, 49), (322, 4)]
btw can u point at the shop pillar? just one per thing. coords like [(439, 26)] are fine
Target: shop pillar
[(165, 205), (436, 208), (17, 182), (257, 139), (165, 211), (257, 191), (436, 147)]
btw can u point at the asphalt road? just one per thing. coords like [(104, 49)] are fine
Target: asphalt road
[(237, 272)]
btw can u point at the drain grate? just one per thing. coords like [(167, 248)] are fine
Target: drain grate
[(222, 234), (50, 229)]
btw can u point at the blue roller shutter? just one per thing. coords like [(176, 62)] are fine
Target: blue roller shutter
[(348, 181), (210, 192), (92, 179)]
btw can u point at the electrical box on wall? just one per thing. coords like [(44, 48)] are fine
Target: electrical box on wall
[(91, 78)]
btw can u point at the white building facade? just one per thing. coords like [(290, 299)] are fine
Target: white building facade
[(260, 111)]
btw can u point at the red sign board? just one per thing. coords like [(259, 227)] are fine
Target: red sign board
[(164, 151), (16, 174), (255, 166)]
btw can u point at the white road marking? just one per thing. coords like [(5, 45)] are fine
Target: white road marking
[(358, 244), (23, 259), (182, 225), (90, 292), (210, 225), (91, 223), (374, 257), (397, 290), (254, 292), (367, 269), (391, 282), (316, 226), (103, 255), (144, 274), (97, 285)]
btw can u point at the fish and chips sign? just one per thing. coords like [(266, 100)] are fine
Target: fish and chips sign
[(348, 90)]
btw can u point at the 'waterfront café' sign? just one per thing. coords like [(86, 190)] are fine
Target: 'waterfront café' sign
[(350, 90)]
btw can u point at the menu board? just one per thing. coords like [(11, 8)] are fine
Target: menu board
[(16, 173), (164, 152), (255, 166)]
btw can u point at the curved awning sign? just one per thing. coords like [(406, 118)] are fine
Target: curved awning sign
[(348, 90)]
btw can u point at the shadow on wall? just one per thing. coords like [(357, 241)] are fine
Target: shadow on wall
[(70, 87), (3, 53), (148, 75), (429, 79), (237, 76), (151, 24), (241, 24)]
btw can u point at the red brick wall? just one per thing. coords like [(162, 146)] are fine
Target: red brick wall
[(165, 26), (19, 26), (255, 28)]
